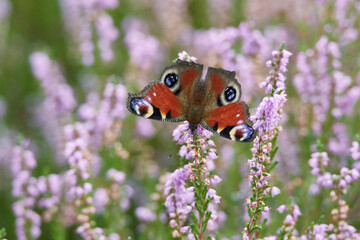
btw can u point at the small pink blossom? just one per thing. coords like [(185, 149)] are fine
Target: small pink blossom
[(145, 214), (275, 191), (281, 209)]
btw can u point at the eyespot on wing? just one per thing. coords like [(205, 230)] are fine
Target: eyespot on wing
[(141, 107)]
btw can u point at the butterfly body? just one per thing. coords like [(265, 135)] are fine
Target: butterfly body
[(194, 112), (181, 95)]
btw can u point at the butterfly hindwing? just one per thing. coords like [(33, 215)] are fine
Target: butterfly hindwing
[(226, 115), (230, 121), (164, 99)]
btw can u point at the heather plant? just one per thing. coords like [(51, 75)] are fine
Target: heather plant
[(266, 122), (74, 164)]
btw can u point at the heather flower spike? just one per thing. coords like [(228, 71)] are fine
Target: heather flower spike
[(23, 162), (59, 100), (81, 17), (186, 187), (339, 184), (267, 121), (189, 190)]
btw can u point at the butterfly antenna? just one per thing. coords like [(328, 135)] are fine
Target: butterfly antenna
[(183, 138), (194, 139)]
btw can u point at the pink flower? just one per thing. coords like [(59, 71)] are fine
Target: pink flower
[(289, 220), (178, 196), (245, 236), (144, 49), (355, 150), (215, 180), (275, 191), (212, 194), (281, 209), (101, 199), (114, 236), (145, 214), (117, 176), (144, 128)]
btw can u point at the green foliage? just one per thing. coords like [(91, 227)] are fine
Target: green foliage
[(38, 25), (2, 233)]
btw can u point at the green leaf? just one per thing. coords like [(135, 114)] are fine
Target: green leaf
[(204, 192), (193, 217), (290, 232), (197, 196), (273, 153), (312, 224), (320, 146), (281, 234), (2, 233), (194, 229), (321, 219), (249, 212), (272, 92), (198, 207), (273, 165), (265, 221), (20, 138), (183, 161), (357, 137), (282, 47), (114, 80), (289, 202), (257, 227), (274, 141), (207, 217), (206, 204)]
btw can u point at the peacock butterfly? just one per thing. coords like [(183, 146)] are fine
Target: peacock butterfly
[(181, 95)]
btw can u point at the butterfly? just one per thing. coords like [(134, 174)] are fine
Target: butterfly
[(181, 95)]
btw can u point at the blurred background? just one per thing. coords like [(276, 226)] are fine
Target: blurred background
[(71, 63)]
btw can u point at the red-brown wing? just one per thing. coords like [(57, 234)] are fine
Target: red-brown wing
[(168, 104), (165, 99), (157, 102), (217, 84), (188, 73), (225, 114), (229, 115), (230, 121)]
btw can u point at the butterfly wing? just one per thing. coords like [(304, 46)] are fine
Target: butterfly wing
[(225, 114), (165, 99)]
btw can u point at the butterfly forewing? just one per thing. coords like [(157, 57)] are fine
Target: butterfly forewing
[(164, 99)]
